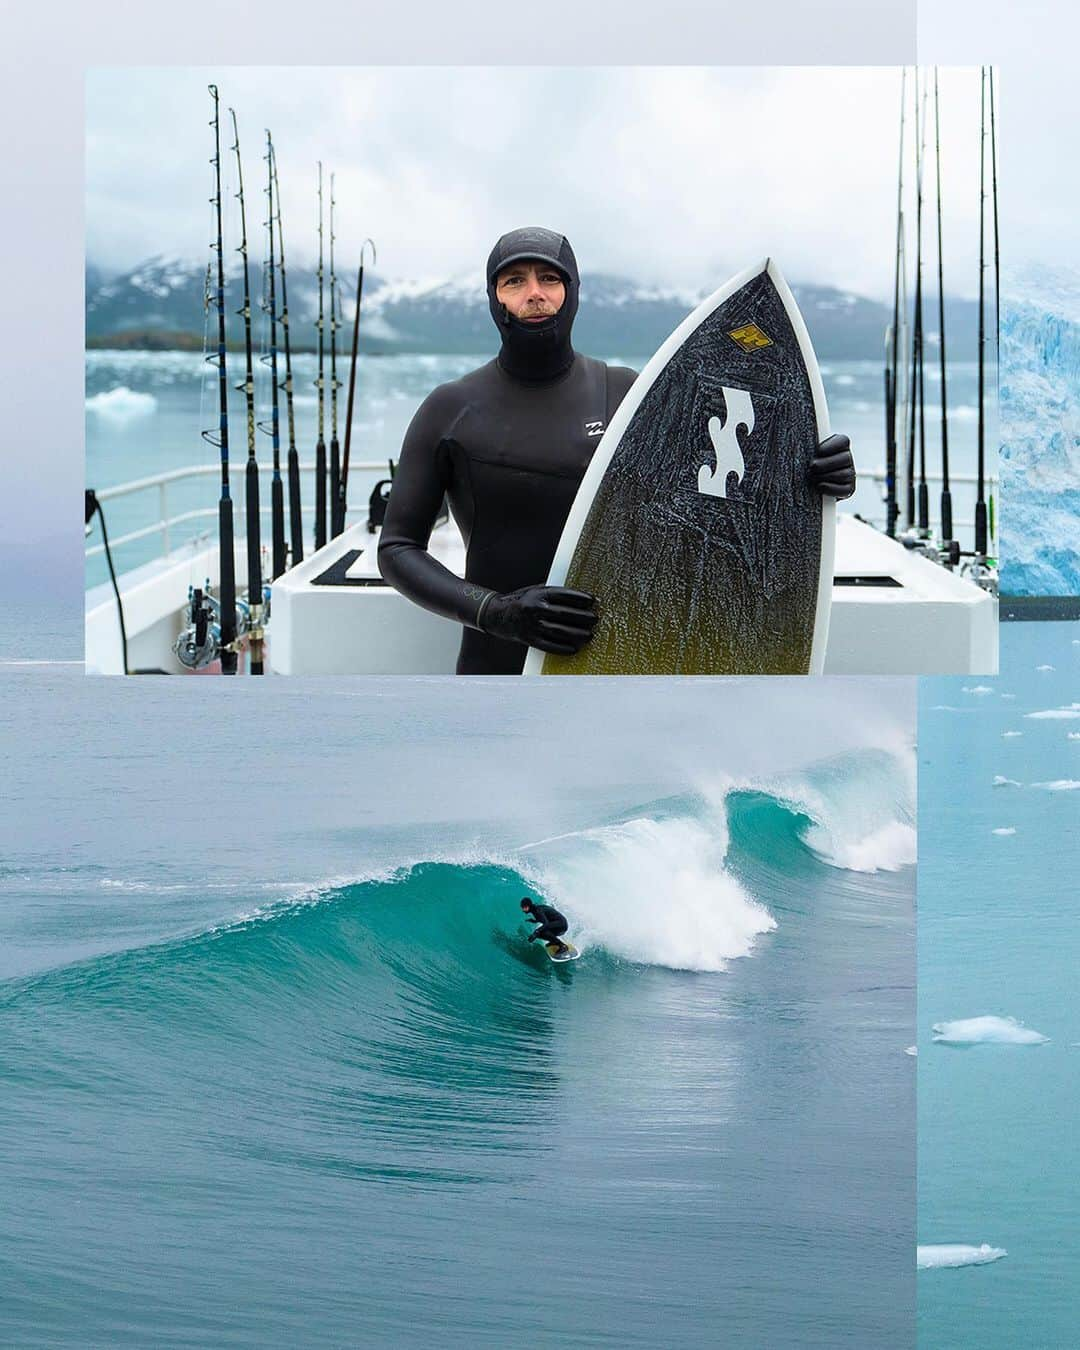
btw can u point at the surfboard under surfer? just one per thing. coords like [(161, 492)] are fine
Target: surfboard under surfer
[(508, 445), (550, 923)]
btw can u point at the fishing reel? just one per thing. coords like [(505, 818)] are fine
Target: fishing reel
[(982, 572), (948, 554), (198, 644)]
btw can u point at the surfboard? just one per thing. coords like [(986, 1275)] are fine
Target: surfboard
[(552, 950), (694, 525)]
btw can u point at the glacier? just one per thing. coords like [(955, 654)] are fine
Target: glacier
[(1040, 431)]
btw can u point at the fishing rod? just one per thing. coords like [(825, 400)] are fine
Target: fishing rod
[(892, 338), (994, 198), (227, 585), (997, 270), (343, 488), (251, 480), (980, 498), (946, 494), (337, 524), (320, 444), (277, 488), (924, 493), (917, 387), (296, 527)]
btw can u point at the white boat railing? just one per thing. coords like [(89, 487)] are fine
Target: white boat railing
[(163, 481), (990, 485), (165, 523)]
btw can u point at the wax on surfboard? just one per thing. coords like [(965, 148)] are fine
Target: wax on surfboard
[(694, 572)]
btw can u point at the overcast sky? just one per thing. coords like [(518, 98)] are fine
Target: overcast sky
[(668, 175), (1039, 147)]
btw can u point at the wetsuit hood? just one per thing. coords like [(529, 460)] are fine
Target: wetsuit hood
[(535, 351)]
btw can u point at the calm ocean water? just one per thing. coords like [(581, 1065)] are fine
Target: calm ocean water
[(999, 937), (144, 412), (279, 1068)]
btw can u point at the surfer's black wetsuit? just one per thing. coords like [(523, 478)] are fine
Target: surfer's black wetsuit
[(550, 924), (508, 445)]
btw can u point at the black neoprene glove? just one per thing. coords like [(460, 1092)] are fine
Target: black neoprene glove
[(552, 618), (832, 470)]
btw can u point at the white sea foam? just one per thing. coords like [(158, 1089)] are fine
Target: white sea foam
[(1050, 714), (977, 689), (950, 1255), (1072, 735), (1007, 735), (887, 849), (1001, 781), (988, 1030), (1004, 829), (1044, 667), (122, 404), (862, 813), (1059, 785), (912, 1050), (706, 920)]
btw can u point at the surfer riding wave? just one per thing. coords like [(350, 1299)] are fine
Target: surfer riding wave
[(550, 924), (508, 445)]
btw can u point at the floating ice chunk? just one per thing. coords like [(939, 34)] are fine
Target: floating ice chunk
[(122, 404), (987, 1030), (953, 1254), (1004, 829)]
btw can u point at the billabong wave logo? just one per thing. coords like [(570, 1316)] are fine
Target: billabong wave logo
[(729, 458)]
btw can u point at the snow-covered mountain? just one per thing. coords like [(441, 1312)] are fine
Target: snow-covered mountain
[(162, 303), (1040, 432)]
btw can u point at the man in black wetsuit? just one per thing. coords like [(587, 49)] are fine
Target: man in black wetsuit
[(509, 444), (550, 923)]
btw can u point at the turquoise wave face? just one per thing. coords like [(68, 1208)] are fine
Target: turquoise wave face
[(377, 1115)]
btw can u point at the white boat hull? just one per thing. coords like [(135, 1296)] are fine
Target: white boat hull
[(906, 615)]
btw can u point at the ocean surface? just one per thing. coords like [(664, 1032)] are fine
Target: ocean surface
[(145, 410), (279, 1067), (999, 950)]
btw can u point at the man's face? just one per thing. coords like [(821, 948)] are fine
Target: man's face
[(531, 291)]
